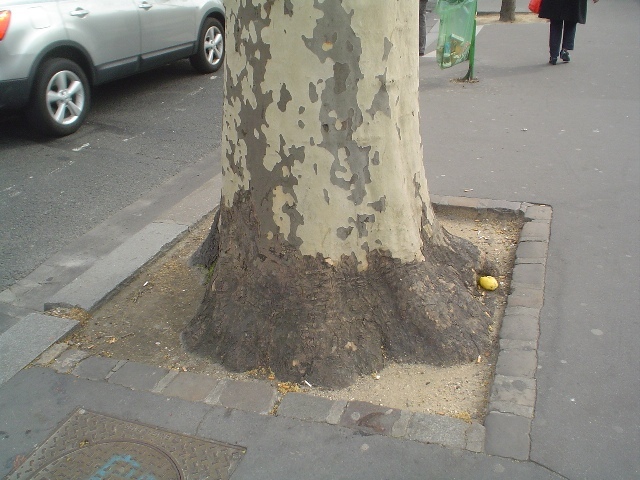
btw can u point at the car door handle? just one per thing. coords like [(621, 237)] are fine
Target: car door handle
[(145, 5), (79, 12)]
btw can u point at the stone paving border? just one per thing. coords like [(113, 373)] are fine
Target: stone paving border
[(513, 393), (507, 426)]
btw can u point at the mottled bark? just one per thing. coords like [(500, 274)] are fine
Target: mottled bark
[(330, 255)]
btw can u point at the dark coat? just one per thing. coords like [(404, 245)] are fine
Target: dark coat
[(567, 10)]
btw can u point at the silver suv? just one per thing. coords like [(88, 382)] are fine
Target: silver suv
[(53, 52)]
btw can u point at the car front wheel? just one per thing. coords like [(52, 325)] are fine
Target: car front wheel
[(210, 54), (61, 98)]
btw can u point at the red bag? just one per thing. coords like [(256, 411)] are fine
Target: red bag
[(534, 5)]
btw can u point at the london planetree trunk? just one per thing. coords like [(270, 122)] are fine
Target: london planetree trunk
[(330, 258), (508, 11)]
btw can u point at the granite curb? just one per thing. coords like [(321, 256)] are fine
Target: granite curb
[(97, 265), (507, 426)]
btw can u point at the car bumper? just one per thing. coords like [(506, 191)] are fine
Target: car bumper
[(14, 93)]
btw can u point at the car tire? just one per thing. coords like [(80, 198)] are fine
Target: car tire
[(211, 48), (61, 98)]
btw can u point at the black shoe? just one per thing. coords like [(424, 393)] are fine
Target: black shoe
[(564, 55), (553, 60)]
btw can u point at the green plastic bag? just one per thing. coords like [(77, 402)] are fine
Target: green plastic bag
[(457, 28)]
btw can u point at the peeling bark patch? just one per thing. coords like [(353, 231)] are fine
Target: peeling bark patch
[(267, 6), (344, 232), (361, 224), (387, 49), (289, 157), (296, 219), (380, 205), (417, 187), (349, 172), (381, 100), (301, 110), (300, 123), (341, 73), (313, 92), (285, 97), (288, 8), (326, 195)]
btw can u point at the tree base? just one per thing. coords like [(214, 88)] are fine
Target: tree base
[(307, 319)]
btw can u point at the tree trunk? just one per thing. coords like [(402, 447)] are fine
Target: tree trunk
[(508, 11), (330, 256)]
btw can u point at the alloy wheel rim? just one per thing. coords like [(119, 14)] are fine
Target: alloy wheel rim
[(65, 97), (213, 45)]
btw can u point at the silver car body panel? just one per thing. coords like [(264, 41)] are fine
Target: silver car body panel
[(167, 24), (110, 39), (90, 22)]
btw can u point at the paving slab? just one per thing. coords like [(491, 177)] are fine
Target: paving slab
[(525, 296), (439, 429), (27, 339), (95, 368), (190, 386), (515, 395), (529, 274), (51, 354), (138, 376), (475, 437), (535, 231), (520, 327), (508, 435), (305, 407), (517, 363), (532, 249), (68, 360), (370, 418), (259, 397), (539, 212)]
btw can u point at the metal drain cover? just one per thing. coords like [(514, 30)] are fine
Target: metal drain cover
[(93, 446)]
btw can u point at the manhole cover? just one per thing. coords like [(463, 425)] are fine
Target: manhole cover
[(92, 446)]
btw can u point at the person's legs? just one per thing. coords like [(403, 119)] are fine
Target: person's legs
[(422, 24), (569, 35), (568, 38), (555, 37)]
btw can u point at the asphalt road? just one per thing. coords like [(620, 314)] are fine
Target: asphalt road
[(140, 132)]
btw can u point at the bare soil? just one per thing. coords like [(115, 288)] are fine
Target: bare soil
[(143, 321), (494, 18)]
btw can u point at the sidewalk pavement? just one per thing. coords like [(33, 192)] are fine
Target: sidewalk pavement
[(295, 436)]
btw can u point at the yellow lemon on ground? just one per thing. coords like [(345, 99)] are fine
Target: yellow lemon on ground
[(488, 283)]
